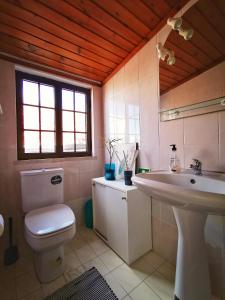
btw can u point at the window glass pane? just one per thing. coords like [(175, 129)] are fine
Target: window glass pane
[(30, 92), (81, 142), (47, 119), (68, 142), (80, 102), (80, 122), (47, 142), (67, 100), (31, 117), (31, 142), (47, 95), (68, 121)]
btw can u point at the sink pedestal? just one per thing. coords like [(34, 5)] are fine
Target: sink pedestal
[(192, 273)]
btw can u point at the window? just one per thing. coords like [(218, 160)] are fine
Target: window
[(53, 118)]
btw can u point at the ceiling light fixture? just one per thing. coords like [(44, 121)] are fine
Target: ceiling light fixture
[(187, 34), (176, 24), (165, 54)]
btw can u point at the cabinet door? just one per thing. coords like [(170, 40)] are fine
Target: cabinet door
[(117, 230), (100, 208)]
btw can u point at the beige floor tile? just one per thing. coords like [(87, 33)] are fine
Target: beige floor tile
[(143, 266), (115, 286), (7, 283), (38, 295), (111, 260), (67, 249), (98, 264), (85, 253), (8, 272), (127, 298), (128, 278), (154, 259), (98, 246), (71, 274), (161, 286), (77, 243), (72, 261), (26, 284), (143, 292), (7, 289), (25, 250), (24, 265), (168, 271), (49, 288), (86, 233)]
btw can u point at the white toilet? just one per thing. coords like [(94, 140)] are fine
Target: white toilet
[(48, 222)]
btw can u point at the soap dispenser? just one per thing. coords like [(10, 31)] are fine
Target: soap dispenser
[(174, 161)]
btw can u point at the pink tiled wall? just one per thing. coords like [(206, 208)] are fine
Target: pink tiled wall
[(78, 171)]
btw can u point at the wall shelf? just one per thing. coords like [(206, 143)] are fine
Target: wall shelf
[(193, 110)]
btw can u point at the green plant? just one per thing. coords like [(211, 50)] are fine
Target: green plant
[(110, 146)]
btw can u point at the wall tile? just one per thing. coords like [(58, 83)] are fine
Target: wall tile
[(165, 240), (201, 130), (131, 72), (171, 133), (222, 140), (208, 155), (167, 215)]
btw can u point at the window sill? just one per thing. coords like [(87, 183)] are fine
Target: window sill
[(53, 160)]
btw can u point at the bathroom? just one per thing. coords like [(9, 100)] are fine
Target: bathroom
[(135, 84)]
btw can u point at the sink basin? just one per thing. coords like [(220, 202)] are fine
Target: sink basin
[(187, 191), (192, 197)]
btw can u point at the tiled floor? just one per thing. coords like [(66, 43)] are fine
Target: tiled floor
[(150, 278)]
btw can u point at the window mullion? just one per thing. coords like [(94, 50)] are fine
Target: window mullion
[(39, 108), (74, 134), (58, 118)]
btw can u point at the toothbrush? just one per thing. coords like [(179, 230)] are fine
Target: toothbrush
[(134, 159)]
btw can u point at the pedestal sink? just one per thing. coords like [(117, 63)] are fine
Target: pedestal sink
[(192, 198)]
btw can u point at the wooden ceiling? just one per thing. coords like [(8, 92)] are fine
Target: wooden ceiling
[(82, 39), (205, 50)]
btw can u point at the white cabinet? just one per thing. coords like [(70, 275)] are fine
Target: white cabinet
[(122, 218)]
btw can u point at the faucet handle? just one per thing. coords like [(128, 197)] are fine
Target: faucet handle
[(196, 163)]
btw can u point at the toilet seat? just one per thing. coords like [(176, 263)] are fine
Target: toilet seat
[(49, 226), (49, 219)]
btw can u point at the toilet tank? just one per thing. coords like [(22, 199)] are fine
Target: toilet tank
[(41, 188)]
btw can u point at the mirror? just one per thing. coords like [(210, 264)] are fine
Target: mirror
[(195, 84)]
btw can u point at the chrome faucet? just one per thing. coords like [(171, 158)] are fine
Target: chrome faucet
[(196, 167)]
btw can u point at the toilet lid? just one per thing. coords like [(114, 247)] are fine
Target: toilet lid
[(49, 219)]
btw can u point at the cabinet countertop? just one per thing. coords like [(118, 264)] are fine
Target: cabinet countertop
[(115, 184)]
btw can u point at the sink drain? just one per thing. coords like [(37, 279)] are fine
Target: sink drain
[(192, 181)]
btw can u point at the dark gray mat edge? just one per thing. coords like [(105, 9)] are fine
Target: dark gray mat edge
[(88, 286)]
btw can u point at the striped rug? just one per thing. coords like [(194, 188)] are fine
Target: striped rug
[(88, 286)]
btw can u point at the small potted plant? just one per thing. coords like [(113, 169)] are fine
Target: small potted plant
[(110, 167)]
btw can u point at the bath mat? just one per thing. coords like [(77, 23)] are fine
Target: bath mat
[(88, 286)]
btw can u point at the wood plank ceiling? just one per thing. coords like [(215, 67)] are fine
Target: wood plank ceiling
[(205, 50), (83, 39)]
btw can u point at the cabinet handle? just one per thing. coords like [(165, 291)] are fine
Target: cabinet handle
[(93, 184), (124, 198)]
